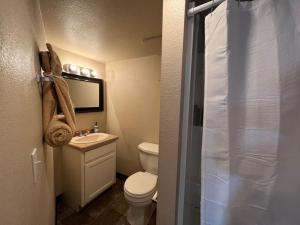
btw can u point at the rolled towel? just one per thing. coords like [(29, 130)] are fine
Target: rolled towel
[(58, 132)]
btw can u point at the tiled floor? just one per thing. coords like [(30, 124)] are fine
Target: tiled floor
[(107, 209)]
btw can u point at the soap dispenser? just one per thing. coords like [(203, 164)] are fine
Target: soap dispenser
[(96, 128)]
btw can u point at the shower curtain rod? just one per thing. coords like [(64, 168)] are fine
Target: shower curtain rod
[(203, 7)]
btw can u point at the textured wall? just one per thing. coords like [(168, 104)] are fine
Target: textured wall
[(133, 107), (171, 76), (21, 37)]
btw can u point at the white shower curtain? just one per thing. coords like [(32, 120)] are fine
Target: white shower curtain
[(251, 130)]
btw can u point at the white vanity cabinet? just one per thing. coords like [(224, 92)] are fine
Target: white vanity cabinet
[(86, 174)]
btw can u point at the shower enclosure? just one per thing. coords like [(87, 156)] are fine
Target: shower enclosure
[(192, 121), (240, 125)]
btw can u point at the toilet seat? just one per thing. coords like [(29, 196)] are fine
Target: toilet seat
[(140, 186)]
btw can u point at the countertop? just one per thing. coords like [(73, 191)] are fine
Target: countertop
[(91, 146)]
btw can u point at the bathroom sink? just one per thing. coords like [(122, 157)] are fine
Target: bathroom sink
[(90, 138)]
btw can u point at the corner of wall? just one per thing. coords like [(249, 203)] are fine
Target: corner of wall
[(171, 78)]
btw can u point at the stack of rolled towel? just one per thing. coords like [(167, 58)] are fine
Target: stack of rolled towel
[(58, 129)]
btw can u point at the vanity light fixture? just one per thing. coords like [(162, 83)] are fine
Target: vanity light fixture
[(71, 68), (83, 71)]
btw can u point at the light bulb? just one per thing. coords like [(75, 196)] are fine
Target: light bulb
[(94, 73), (73, 68), (85, 72)]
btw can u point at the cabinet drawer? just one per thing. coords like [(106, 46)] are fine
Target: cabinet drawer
[(99, 175), (101, 151)]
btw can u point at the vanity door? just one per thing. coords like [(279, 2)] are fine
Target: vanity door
[(99, 175)]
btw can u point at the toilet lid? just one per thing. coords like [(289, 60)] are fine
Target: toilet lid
[(140, 184), (149, 148)]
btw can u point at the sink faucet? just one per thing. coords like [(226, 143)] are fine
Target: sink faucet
[(83, 133)]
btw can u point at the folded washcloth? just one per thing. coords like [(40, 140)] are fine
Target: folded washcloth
[(58, 132)]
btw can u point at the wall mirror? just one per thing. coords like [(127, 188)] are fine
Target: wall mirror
[(86, 93)]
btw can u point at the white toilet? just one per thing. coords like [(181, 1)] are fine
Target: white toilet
[(140, 187)]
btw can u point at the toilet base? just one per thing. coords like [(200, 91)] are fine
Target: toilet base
[(140, 215)]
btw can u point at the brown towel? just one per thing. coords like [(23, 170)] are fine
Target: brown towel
[(49, 95), (65, 102), (57, 130)]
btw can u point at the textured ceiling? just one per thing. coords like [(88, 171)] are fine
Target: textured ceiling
[(104, 30)]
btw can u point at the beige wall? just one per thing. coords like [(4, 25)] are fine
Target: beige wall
[(85, 120), (133, 107), (21, 37), (171, 76)]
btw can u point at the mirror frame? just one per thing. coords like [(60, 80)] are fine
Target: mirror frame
[(92, 80)]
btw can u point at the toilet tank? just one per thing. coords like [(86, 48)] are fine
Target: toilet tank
[(148, 153)]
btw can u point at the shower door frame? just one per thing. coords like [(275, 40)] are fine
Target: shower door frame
[(186, 124)]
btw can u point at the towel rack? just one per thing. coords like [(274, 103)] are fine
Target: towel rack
[(41, 78)]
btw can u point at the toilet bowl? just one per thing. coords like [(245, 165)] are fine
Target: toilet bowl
[(140, 187)]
